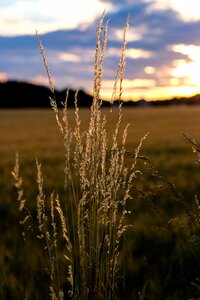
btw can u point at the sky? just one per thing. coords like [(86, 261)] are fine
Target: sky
[(163, 44)]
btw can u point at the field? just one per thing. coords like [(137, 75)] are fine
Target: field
[(33, 133), (161, 258)]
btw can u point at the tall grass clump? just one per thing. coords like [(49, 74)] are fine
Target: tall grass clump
[(87, 223)]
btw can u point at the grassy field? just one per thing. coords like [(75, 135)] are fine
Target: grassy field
[(33, 133), (159, 260)]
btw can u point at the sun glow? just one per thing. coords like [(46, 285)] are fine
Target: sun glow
[(187, 69), (3, 77)]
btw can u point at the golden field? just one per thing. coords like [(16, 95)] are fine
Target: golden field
[(157, 258), (34, 133)]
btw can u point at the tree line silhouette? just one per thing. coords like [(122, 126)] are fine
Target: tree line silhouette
[(15, 94)]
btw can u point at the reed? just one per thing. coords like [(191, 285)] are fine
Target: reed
[(92, 212)]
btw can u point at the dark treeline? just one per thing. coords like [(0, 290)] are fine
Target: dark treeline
[(14, 94)]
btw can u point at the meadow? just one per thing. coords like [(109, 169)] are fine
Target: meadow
[(33, 134), (160, 252)]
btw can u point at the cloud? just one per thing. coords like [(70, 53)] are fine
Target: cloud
[(6, 3), (23, 17), (154, 49), (186, 10), (70, 57)]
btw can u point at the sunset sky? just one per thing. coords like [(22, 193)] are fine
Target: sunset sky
[(163, 50)]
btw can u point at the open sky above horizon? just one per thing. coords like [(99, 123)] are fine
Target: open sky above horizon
[(163, 50)]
